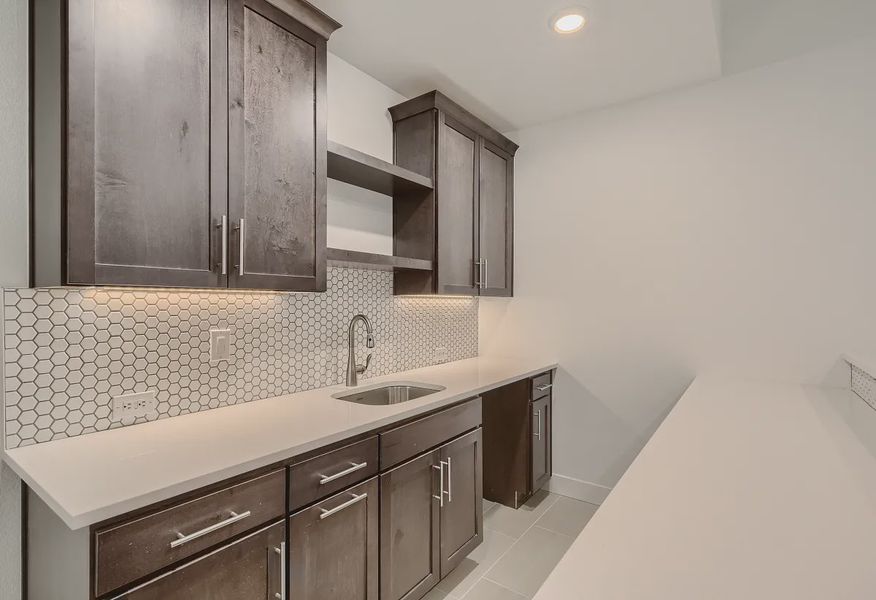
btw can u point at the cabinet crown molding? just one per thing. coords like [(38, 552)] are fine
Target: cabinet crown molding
[(436, 100), (309, 16)]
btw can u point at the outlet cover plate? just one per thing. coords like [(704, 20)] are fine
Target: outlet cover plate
[(133, 406), (220, 345)]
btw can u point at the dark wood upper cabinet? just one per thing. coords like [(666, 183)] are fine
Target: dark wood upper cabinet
[(466, 223), (180, 144), (277, 150)]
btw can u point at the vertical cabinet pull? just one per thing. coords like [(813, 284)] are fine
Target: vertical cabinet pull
[(242, 240), (281, 552), (449, 480), (223, 228), (537, 432), (477, 273), (486, 274), (440, 497)]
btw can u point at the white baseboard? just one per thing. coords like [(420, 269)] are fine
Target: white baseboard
[(577, 489)]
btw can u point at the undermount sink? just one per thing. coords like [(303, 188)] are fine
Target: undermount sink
[(388, 393)]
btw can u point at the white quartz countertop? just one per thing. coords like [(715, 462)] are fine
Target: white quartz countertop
[(747, 490), (90, 478)]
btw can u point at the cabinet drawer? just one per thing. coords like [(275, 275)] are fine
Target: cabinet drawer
[(132, 550), (541, 385), (328, 473), (402, 443)]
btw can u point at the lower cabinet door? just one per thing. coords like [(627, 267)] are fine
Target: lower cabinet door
[(248, 569), (462, 516), (541, 442), (333, 553), (410, 561)]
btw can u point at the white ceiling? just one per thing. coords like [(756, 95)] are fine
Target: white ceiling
[(500, 59)]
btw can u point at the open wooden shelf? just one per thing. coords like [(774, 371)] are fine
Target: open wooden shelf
[(362, 170), (383, 262)]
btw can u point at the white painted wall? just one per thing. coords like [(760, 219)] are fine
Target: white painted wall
[(358, 117), (13, 245), (727, 228)]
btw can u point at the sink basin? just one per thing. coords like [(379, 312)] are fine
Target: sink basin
[(388, 393)]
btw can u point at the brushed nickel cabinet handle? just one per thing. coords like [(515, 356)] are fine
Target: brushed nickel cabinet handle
[(538, 429), (242, 246), (329, 478), (185, 539), (544, 387), (440, 497), (449, 479), (281, 551), (356, 498), (486, 274), (223, 227), (477, 273)]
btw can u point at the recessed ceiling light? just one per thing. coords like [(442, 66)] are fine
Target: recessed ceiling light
[(569, 21)]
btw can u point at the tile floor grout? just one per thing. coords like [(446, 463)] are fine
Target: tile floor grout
[(554, 498)]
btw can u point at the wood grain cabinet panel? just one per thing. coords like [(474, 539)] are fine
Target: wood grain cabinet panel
[(133, 549), (462, 516), (144, 184), (277, 149), (410, 546), (328, 473), (193, 148), (458, 184), (541, 442), (518, 422), (466, 225), (248, 569), (334, 547)]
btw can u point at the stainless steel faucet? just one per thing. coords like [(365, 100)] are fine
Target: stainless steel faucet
[(354, 370)]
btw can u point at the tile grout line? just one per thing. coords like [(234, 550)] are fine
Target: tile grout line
[(516, 540)]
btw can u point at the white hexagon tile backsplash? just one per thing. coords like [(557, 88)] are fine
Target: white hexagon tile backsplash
[(68, 352)]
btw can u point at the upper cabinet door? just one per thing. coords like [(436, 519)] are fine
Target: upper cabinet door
[(146, 189), (457, 190), (496, 202), (277, 150)]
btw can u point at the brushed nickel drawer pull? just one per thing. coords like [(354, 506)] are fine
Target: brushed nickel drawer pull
[(544, 387), (538, 430), (185, 539), (329, 478), (326, 513)]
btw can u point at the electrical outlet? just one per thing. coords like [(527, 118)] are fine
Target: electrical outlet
[(441, 354), (131, 406), (220, 345)]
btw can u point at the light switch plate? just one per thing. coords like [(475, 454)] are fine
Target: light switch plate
[(220, 345), (132, 406)]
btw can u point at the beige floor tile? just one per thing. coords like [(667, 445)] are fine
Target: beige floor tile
[(488, 506), (516, 522), (472, 568), (529, 561), (488, 590), (567, 516), (439, 594)]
